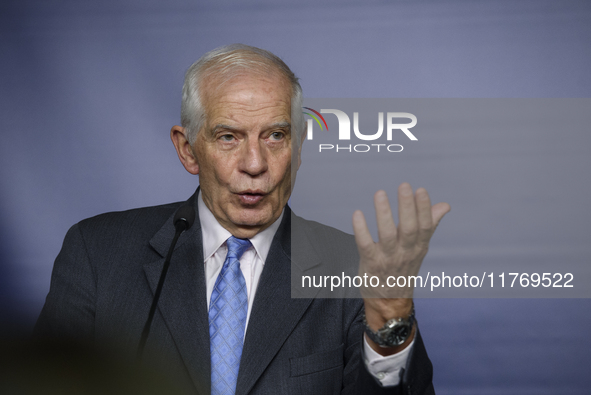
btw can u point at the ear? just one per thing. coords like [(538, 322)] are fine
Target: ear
[(184, 149)]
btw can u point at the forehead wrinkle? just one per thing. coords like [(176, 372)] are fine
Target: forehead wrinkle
[(229, 109), (217, 83), (243, 101), (217, 78), (246, 103), (240, 105)]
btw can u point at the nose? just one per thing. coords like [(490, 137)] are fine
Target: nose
[(254, 157)]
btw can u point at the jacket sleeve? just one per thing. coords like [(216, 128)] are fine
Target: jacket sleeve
[(69, 309), (417, 377)]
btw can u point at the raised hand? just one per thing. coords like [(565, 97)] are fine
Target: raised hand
[(399, 251)]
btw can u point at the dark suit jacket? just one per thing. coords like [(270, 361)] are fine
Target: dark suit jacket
[(105, 275)]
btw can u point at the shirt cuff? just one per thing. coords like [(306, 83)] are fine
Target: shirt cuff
[(386, 369)]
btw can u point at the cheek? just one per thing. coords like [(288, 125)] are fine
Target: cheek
[(283, 173), (225, 170), (219, 168)]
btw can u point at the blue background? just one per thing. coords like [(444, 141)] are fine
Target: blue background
[(89, 91)]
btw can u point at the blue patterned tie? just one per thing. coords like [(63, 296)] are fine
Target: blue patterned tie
[(227, 319)]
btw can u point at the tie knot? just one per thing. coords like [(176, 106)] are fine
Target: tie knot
[(236, 246)]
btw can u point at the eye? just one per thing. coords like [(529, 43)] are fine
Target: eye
[(226, 137), (277, 135)]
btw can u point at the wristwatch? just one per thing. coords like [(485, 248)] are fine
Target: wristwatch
[(394, 332)]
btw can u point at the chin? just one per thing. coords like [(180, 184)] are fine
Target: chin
[(253, 217)]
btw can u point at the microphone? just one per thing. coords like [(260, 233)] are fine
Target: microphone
[(183, 220)]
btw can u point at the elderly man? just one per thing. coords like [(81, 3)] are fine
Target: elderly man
[(226, 322)]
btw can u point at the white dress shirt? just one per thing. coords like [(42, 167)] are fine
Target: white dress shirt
[(385, 369)]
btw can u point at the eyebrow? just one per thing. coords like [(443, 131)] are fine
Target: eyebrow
[(221, 126), (278, 125)]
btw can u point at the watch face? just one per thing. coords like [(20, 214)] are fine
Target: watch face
[(398, 335), (393, 333)]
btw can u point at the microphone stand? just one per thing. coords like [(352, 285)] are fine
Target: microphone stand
[(183, 220)]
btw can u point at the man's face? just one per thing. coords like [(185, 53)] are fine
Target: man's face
[(244, 151)]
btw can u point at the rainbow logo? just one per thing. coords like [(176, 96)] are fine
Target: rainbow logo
[(315, 118)]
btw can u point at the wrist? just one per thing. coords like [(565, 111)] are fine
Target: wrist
[(380, 311), (393, 336)]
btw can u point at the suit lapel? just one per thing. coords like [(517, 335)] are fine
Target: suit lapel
[(274, 313), (183, 302)]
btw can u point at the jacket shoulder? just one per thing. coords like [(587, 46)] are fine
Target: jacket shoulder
[(328, 239), (141, 222)]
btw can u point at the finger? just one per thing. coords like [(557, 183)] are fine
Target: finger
[(362, 236), (407, 213), (386, 225), (424, 215), (438, 211)]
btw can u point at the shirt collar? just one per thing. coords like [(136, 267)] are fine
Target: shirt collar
[(214, 234)]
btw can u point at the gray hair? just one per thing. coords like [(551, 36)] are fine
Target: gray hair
[(227, 62)]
